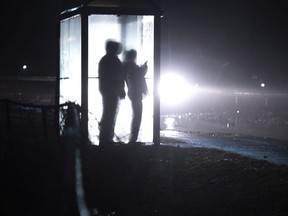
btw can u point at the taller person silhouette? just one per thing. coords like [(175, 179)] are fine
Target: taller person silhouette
[(111, 87)]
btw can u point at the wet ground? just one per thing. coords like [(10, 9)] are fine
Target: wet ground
[(271, 150), (202, 177)]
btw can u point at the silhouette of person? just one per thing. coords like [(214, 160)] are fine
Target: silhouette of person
[(137, 87), (111, 87)]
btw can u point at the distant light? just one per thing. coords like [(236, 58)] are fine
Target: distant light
[(169, 123), (262, 85), (24, 67), (238, 111), (174, 89)]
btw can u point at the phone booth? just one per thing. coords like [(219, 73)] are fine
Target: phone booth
[(85, 26)]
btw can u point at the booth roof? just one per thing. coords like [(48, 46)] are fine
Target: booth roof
[(139, 4)]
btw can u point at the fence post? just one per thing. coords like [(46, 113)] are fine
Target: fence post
[(7, 117), (43, 109)]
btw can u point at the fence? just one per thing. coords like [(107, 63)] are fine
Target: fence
[(29, 122)]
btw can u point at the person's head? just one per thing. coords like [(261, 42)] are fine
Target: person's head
[(113, 47), (130, 55)]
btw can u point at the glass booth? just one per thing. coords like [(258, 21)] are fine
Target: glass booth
[(83, 34)]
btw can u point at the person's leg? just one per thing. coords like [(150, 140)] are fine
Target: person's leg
[(137, 108), (109, 114)]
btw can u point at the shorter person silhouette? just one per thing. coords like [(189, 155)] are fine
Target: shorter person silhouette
[(137, 87)]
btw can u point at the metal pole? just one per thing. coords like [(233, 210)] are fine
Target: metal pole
[(84, 75), (156, 119), (57, 91)]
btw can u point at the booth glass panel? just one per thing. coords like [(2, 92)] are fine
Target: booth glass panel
[(70, 60), (133, 32)]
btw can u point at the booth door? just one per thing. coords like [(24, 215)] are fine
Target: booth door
[(133, 32)]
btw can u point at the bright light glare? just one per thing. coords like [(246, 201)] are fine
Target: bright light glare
[(174, 89), (170, 123)]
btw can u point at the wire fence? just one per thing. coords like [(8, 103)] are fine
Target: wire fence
[(29, 122)]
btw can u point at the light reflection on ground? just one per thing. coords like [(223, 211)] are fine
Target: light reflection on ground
[(271, 150), (263, 138)]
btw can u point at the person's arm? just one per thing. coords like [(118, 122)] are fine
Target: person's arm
[(144, 68), (123, 79)]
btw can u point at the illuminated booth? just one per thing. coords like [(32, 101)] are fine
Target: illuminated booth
[(85, 26)]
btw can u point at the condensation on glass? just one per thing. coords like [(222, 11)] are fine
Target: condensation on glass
[(70, 60), (133, 32)]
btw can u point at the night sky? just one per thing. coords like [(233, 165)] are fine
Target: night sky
[(213, 42)]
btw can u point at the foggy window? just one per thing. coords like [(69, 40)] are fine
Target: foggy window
[(70, 60)]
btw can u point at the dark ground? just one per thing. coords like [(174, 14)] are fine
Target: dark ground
[(142, 180)]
